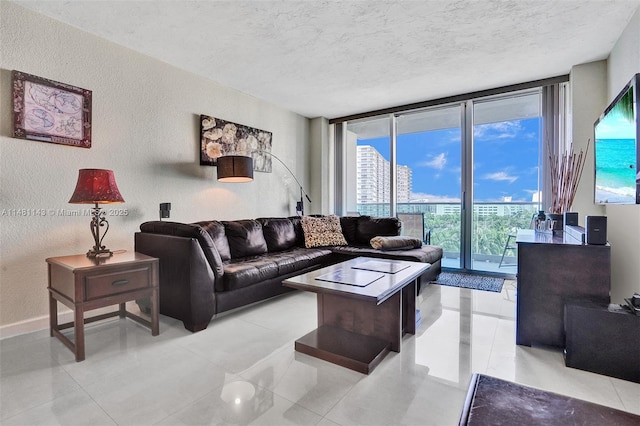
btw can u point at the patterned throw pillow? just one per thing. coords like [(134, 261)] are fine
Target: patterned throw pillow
[(322, 231)]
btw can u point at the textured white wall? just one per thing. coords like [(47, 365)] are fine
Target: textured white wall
[(594, 86), (145, 128), (624, 221), (588, 99)]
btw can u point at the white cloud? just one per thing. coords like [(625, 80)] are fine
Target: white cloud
[(500, 130), (436, 162), (500, 176)]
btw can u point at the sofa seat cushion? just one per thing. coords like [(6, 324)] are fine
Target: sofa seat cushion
[(240, 273), (425, 254), (298, 259)]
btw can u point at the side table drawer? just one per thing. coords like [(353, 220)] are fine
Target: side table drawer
[(108, 284)]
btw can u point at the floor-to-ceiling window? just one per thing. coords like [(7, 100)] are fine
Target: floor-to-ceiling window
[(368, 167), (467, 172), (429, 151), (506, 156)]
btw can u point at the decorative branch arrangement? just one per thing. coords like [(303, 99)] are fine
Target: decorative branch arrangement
[(566, 171)]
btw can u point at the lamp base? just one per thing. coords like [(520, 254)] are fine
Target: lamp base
[(103, 252), (98, 220)]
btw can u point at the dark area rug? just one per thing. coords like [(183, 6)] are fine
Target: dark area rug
[(474, 282)]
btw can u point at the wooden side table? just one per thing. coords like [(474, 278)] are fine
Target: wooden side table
[(84, 284)]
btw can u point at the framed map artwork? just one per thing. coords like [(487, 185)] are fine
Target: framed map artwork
[(49, 111)]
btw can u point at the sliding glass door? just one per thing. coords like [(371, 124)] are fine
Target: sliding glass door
[(465, 174), (429, 161), (505, 177)]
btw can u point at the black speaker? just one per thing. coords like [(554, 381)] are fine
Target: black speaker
[(596, 229), (571, 218), (165, 208)]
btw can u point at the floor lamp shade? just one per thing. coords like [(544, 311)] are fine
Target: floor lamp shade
[(235, 168)]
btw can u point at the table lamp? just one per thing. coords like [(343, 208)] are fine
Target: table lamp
[(97, 186)]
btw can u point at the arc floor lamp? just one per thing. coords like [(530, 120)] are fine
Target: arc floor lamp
[(239, 168)]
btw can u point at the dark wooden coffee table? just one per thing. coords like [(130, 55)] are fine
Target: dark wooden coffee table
[(359, 323)]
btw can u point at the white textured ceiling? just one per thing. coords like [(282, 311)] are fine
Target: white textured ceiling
[(336, 58)]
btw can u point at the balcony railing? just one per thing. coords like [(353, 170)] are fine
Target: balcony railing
[(492, 224)]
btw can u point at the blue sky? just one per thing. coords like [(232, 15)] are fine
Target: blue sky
[(505, 161)]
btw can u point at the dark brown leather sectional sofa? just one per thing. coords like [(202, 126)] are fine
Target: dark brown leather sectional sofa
[(210, 267)]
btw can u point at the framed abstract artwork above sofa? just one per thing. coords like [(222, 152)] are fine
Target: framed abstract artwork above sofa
[(220, 137)]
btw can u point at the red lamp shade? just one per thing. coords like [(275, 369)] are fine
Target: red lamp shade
[(96, 186)]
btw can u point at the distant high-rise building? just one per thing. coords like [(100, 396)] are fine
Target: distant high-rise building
[(404, 183), (373, 172)]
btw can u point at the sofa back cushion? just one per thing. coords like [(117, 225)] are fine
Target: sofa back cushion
[(369, 227), (245, 238), (297, 227), (349, 228), (279, 233), (189, 231), (216, 231)]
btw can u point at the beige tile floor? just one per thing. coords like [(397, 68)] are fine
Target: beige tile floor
[(243, 370)]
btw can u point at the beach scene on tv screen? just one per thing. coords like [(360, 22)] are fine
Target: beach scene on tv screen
[(615, 154)]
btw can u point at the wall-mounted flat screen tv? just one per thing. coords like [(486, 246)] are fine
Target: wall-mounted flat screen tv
[(617, 154)]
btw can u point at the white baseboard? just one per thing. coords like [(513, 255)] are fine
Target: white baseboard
[(42, 323), (31, 325)]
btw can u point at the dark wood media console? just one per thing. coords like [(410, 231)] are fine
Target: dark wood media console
[(552, 271)]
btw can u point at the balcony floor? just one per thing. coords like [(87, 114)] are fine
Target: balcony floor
[(509, 268)]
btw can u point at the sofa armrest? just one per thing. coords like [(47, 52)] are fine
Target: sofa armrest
[(186, 278), (188, 230)]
